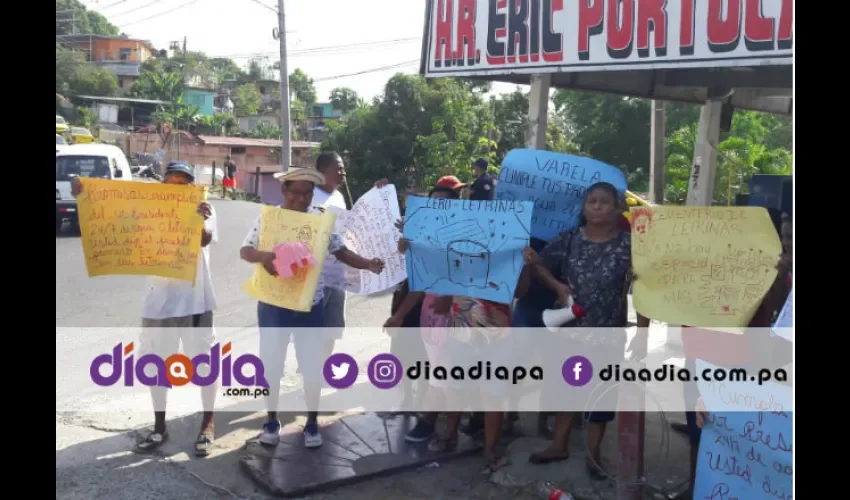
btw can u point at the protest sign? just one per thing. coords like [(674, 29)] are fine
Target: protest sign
[(368, 230), (282, 226), (555, 183), (784, 326), (138, 228), (746, 449), (466, 248), (702, 266)]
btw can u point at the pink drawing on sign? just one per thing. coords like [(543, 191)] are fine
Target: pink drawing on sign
[(289, 257)]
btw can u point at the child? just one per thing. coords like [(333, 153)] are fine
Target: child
[(278, 325), (407, 345)]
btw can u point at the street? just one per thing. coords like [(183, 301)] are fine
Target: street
[(93, 457)]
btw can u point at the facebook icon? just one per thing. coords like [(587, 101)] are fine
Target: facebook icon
[(577, 371)]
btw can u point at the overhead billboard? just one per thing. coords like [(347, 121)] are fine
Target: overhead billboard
[(496, 37)]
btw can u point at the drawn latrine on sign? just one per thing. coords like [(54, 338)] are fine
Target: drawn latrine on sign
[(466, 248), (703, 266)]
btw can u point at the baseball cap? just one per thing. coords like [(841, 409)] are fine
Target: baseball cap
[(181, 167), (450, 181), (480, 163)]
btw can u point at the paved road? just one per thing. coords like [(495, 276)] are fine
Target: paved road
[(91, 449), (92, 457)]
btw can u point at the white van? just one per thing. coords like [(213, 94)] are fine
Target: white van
[(85, 160)]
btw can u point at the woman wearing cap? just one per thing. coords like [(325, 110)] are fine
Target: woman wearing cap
[(176, 311), (278, 325)]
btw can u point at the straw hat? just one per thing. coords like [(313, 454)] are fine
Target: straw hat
[(301, 174)]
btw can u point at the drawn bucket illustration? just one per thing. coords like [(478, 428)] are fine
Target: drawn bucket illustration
[(469, 263)]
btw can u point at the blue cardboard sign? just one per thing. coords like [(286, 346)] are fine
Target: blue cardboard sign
[(466, 248), (784, 326), (555, 183), (745, 454)]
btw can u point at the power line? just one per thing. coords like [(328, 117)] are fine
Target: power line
[(190, 2), (258, 2), (134, 9), (320, 50), (365, 71)]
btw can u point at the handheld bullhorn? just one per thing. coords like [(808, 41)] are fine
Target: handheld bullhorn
[(554, 319)]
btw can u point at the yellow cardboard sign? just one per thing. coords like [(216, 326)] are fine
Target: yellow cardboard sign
[(283, 226), (140, 228), (702, 266)]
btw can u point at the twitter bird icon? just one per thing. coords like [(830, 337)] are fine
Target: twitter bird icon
[(340, 371)]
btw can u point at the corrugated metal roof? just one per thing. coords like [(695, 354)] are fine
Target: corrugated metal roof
[(215, 140), (123, 99)]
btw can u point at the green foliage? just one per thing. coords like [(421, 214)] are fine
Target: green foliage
[(72, 17), (345, 100), (75, 77), (301, 87), (246, 100)]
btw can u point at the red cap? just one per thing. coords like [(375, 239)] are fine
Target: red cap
[(450, 181)]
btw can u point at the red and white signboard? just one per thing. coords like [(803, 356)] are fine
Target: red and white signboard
[(491, 37)]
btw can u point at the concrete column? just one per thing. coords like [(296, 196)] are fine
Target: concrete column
[(538, 112), (657, 156), (701, 182)]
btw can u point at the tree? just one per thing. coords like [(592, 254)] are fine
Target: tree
[(345, 100), (246, 100), (72, 17), (75, 77), (301, 87), (159, 86)]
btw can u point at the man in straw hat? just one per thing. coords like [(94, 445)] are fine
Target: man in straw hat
[(278, 325)]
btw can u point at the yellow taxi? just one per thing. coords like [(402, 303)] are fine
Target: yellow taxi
[(633, 200), (81, 135), (61, 125)]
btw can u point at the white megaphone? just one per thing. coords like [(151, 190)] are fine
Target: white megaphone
[(555, 318)]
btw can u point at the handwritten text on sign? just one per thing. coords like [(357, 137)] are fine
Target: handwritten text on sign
[(285, 226), (368, 230), (743, 453), (140, 228), (555, 183), (466, 248), (702, 266)]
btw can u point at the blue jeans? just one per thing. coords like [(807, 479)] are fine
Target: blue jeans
[(278, 326)]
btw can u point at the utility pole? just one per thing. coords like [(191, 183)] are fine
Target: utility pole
[(285, 123), (184, 46), (657, 156)]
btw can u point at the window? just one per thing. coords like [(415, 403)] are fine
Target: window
[(237, 151), (60, 120), (317, 111), (81, 166), (60, 140), (124, 54)]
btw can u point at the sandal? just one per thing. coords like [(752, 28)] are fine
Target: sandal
[(203, 444), (494, 463), (442, 444), (596, 472), (547, 456), (152, 441)]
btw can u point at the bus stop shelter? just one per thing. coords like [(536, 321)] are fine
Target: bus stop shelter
[(720, 54)]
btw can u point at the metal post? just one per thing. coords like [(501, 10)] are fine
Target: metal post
[(657, 156), (257, 182), (285, 123)]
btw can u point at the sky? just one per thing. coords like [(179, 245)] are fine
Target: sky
[(330, 40)]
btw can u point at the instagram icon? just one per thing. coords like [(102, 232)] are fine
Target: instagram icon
[(385, 371)]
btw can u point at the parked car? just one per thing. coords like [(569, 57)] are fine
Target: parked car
[(81, 135), (61, 125), (60, 143), (85, 160)]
